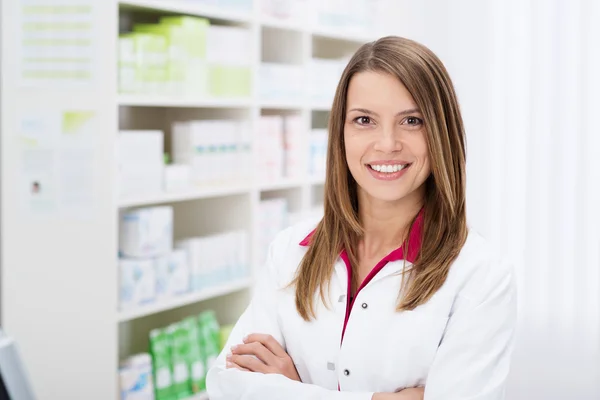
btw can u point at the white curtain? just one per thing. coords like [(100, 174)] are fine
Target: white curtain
[(527, 74)]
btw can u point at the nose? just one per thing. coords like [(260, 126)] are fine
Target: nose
[(387, 141)]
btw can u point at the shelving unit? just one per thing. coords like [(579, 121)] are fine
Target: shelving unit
[(184, 300), (75, 261)]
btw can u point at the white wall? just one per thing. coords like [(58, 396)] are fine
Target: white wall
[(526, 76)]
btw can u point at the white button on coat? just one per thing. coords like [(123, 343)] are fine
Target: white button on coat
[(458, 345)]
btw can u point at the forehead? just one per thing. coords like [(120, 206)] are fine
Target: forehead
[(379, 92)]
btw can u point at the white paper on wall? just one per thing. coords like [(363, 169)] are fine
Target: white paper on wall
[(56, 163), (56, 43)]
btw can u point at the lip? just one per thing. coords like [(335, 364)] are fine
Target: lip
[(385, 176), (388, 162)]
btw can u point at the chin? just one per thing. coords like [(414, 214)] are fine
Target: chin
[(386, 195)]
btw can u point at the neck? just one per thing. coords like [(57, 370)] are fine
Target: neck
[(386, 225)]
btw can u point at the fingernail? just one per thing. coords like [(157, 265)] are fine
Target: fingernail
[(228, 364), (234, 347), (245, 338), (228, 357)]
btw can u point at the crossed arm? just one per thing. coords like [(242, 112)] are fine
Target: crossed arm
[(261, 353), (472, 361)]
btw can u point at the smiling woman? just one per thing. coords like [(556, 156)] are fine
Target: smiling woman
[(390, 295)]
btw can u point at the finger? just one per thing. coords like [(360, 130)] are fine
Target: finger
[(268, 341), (251, 363), (231, 365), (256, 349)]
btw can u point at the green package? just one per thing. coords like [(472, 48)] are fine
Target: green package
[(196, 359), (195, 43), (160, 349), (176, 50), (196, 28), (180, 339), (230, 81), (210, 336), (142, 62)]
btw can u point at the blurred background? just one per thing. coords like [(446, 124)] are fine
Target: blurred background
[(151, 149)]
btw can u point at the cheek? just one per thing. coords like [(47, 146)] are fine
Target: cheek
[(353, 150), (421, 151)]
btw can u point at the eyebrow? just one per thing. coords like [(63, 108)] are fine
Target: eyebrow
[(401, 113)]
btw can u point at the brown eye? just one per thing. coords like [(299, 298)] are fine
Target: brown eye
[(414, 121), (363, 120)]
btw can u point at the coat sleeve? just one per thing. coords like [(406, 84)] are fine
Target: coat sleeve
[(261, 317), (473, 358)]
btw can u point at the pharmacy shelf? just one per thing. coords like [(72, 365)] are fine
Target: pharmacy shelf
[(283, 24), (337, 34), (188, 8), (281, 105), (321, 107), (184, 300), (143, 100), (288, 183), (175, 197)]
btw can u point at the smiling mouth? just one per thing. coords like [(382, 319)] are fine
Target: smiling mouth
[(388, 169)]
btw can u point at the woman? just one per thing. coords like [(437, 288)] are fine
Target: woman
[(389, 296)]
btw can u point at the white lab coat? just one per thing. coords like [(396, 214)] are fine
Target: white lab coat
[(458, 345)]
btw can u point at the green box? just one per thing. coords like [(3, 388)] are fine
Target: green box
[(196, 359), (230, 81), (180, 339), (210, 336), (187, 70), (176, 51), (142, 62), (160, 350), (196, 33)]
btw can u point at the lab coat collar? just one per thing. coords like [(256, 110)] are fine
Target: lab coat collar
[(414, 244)]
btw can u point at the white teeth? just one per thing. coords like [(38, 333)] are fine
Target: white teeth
[(388, 168)]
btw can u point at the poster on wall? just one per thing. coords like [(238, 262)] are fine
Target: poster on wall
[(56, 44), (57, 163)]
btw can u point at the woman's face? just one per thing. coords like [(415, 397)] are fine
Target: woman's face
[(386, 146)]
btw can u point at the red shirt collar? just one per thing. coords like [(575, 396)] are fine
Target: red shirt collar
[(414, 243)]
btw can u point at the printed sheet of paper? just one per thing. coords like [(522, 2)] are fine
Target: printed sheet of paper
[(57, 163), (56, 43)]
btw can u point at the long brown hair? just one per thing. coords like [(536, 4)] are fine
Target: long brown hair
[(444, 221)]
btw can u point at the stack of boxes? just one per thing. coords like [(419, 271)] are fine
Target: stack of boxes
[(352, 16), (178, 360), (282, 82), (317, 154), (297, 10), (152, 269), (187, 56), (324, 75), (272, 218), (216, 259), (281, 145), (216, 152)]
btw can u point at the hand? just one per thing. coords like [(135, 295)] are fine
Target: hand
[(262, 353), (405, 394)]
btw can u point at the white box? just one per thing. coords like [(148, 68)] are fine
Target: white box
[(137, 282), (140, 162), (193, 250), (179, 270), (135, 378), (146, 232), (172, 274), (177, 177)]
